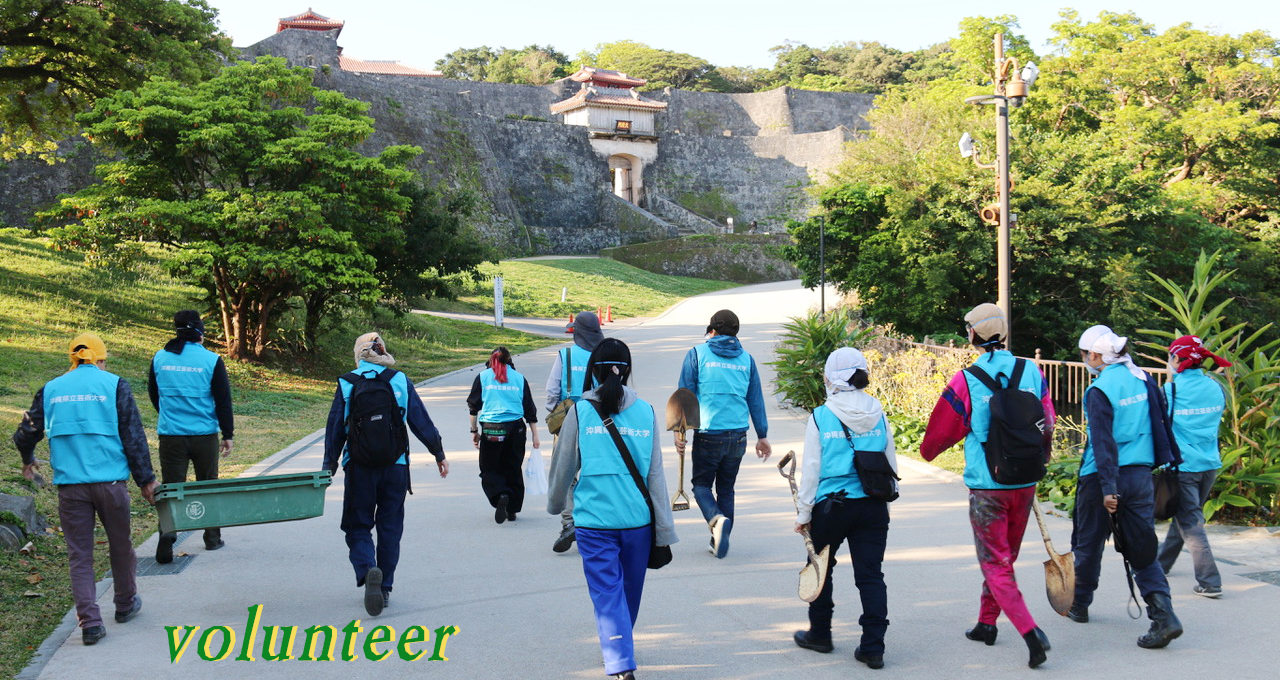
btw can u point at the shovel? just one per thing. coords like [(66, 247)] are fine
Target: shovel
[(1059, 571), (814, 573), (682, 414)]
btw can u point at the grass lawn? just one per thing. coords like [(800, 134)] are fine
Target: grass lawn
[(532, 288), (47, 297)]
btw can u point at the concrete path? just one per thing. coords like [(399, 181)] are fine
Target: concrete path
[(523, 611)]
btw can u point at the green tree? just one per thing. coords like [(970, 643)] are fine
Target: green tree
[(467, 63), (662, 68), (58, 56), (532, 65), (253, 179)]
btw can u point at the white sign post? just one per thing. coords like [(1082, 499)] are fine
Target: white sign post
[(497, 301)]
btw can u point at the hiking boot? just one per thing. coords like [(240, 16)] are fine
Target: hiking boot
[(1079, 613), (564, 540), (1037, 644), (817, 643), (1165, 626), (164, 548), (374, 600), (1211, 591), (500, 510), (92, 634), (126, 616), (872, 660), (983, 632)]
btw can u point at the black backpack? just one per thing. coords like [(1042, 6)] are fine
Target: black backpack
[(1015, 440), (376, 434)]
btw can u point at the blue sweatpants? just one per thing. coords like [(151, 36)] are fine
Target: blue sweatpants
[(1091, 528), (373, 498), (614, 562)]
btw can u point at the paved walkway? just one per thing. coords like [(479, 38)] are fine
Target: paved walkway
[(523, 611)]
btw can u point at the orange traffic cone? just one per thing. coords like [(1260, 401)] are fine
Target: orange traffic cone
[(608, 314)]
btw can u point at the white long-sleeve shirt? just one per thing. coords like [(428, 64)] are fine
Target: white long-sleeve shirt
[(860, 412)]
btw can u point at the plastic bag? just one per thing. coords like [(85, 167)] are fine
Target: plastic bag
[(535, 474)]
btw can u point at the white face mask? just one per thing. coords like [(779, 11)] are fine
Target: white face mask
[(1093, 371)]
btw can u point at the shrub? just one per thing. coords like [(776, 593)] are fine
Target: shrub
[(802, 352)]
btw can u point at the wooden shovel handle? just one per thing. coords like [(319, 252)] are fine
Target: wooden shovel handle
[(1044, 531)]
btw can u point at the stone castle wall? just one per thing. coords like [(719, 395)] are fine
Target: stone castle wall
[(541, 186)]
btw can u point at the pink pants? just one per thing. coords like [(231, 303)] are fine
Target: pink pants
[(999, 518)]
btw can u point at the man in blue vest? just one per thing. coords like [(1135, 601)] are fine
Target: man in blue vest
[(373, 496), (1127, 435), (95, 443), (565, 382), (189, 388), (725, 379)]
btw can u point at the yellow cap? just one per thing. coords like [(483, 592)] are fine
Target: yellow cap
[(87, 348)]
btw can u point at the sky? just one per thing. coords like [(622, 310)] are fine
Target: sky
[(418, 32)]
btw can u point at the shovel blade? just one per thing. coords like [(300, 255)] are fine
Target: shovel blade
[(1060, 581), (683, 412), (814, 576)]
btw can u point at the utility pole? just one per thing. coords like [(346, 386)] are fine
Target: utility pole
[(1002, 186)]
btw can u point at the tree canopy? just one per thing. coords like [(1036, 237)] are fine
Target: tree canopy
[(58, 56), (532, 65), (1135, 151), (253, 178)]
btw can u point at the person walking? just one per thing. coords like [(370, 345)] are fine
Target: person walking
[(96, 443), (1196, 402), (366, 433), (850, 423), (725, 379), (188, 387), (501, 403), (1127, 435), (620, 531), (568, 372), (998, 512)]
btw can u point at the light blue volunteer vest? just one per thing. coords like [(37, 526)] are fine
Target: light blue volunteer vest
[(1197, 413), (977, 475), (501, 402), (606, 496), (838, 472), (83, 427), (1131, 424), (577, 364), (722, 389), (399, 385), (184, 382)]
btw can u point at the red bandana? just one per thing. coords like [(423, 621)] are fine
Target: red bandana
[(1189, 349)]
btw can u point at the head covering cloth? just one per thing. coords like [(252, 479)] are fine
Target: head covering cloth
[(1191, 350), (841, 365), (87, 348), (370, 347)]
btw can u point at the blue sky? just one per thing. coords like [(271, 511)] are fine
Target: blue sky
[(724, 33)]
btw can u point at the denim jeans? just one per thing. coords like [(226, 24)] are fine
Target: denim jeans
[(1188, 527), (716, 459)]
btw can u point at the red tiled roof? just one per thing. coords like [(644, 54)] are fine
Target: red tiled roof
[(308, 20), (392, 68), (590, 95), (606, 77)]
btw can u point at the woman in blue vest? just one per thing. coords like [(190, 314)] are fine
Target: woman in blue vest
[(833, 505), (1126, 437), (501, 403), (1195, 404), (617, 527), (998, 512), (568, 373)]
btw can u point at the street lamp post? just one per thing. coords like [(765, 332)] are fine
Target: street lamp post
[(822, 265), (1011, 86)]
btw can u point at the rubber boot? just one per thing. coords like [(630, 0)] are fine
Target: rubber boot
[(1165, 626), (1037, 644), (983, 632), (818, 637)]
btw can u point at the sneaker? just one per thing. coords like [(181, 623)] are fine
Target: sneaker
[(711, 546), (126, 616), (717, 529), (373, 597), (1079, 613), (808, 640), (164, 549), (720, 537), (386, 599), (565, 539), (92, 634), (500, 511), (1211, 591), (872, 660)]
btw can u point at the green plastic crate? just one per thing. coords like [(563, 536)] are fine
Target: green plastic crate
[(242, 500)]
